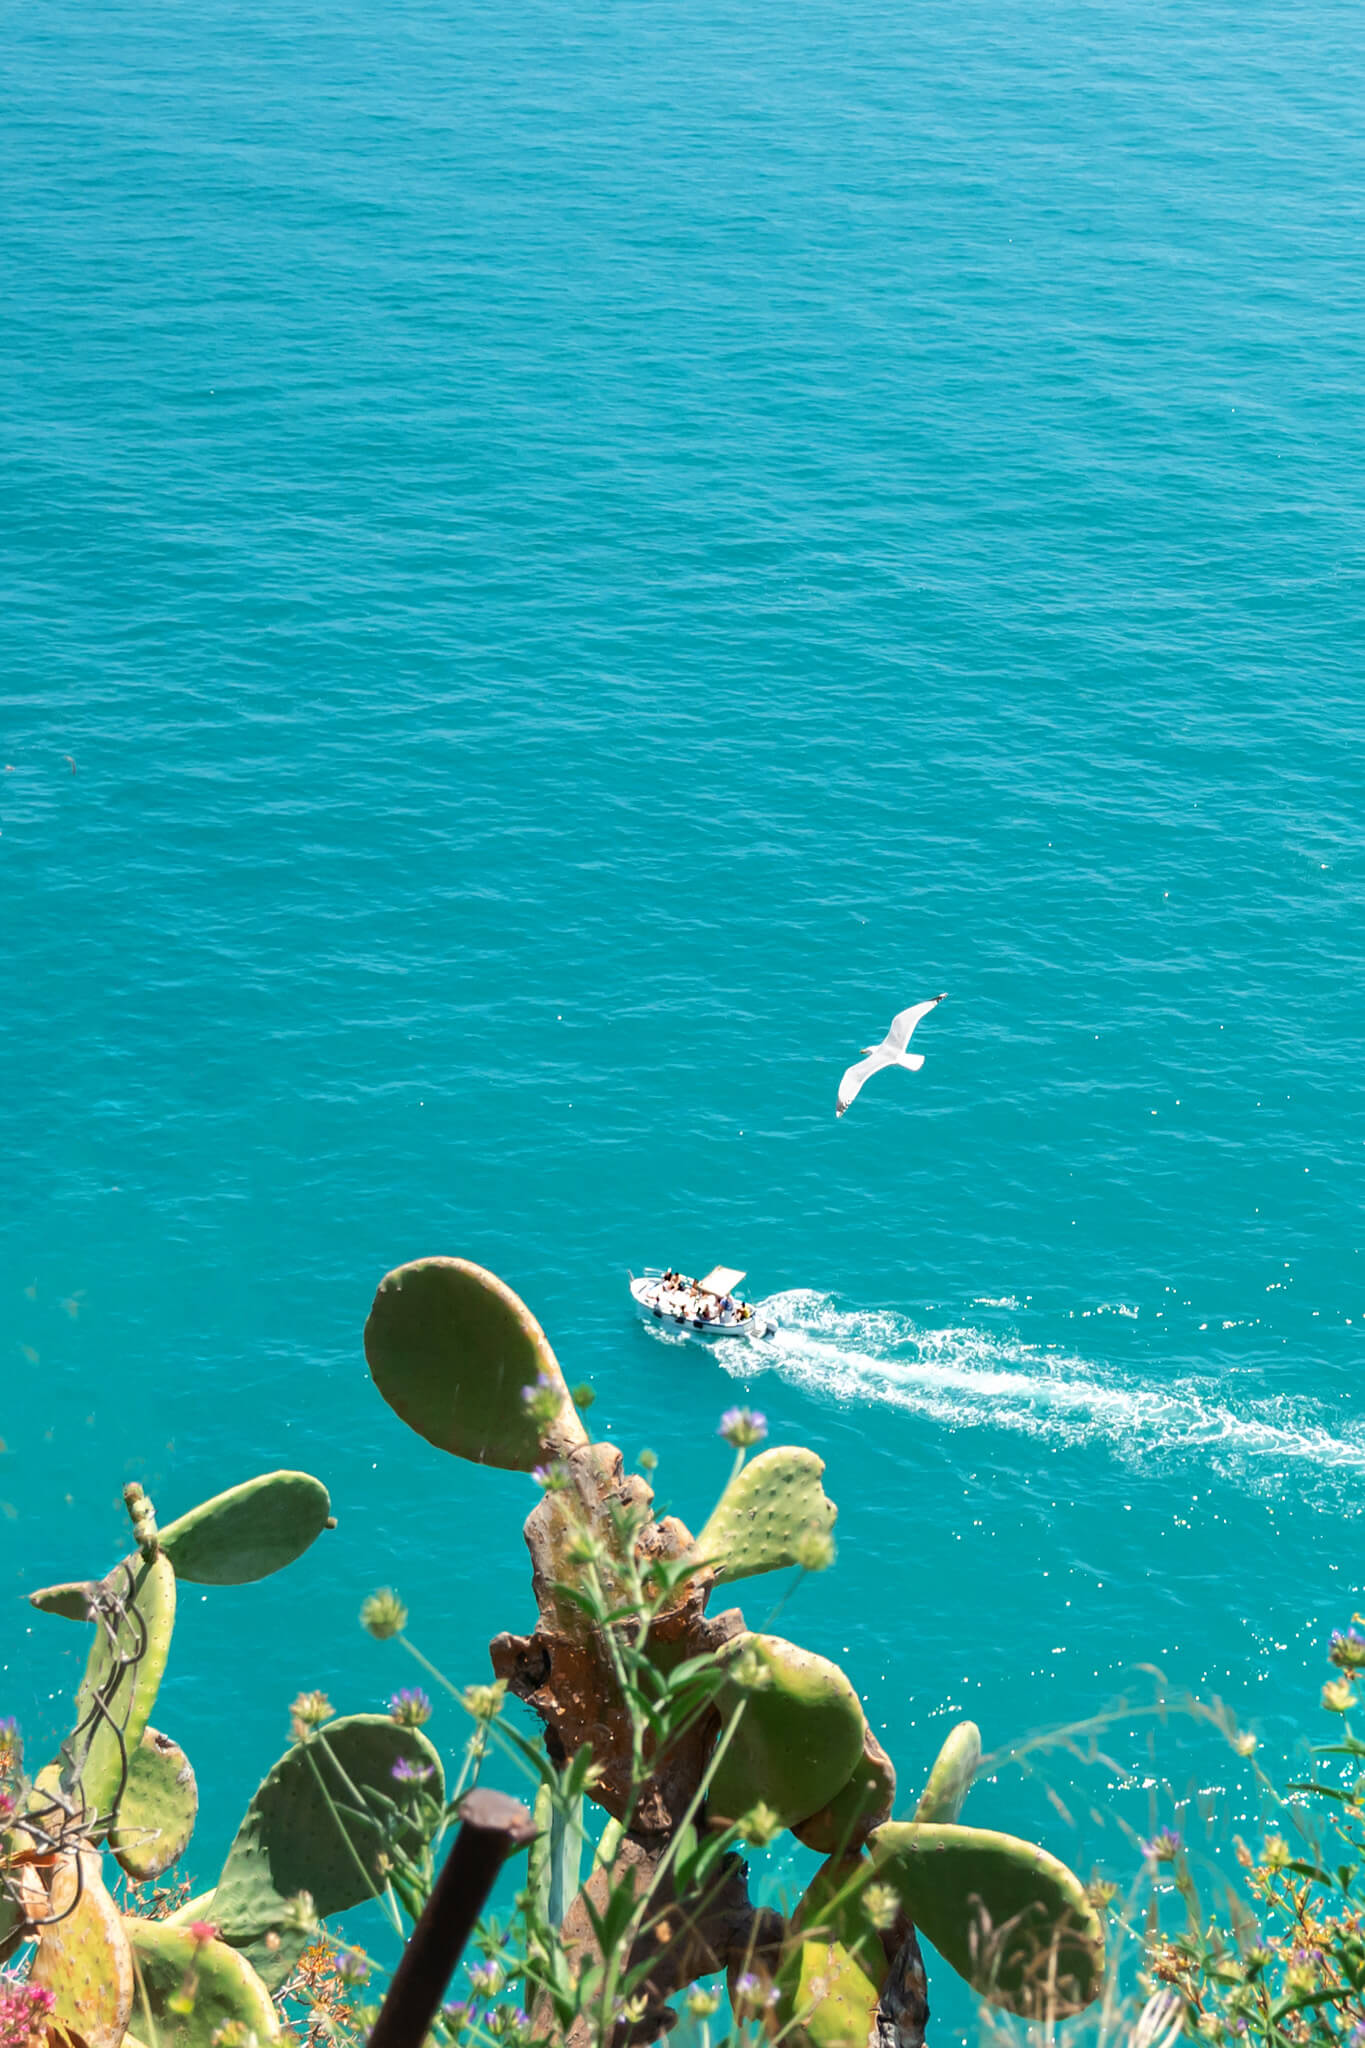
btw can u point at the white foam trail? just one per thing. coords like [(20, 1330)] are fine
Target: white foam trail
[(978, 1379)]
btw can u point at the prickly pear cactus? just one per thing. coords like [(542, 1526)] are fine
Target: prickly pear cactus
[(1010, 1918), (450, 1348), (770, 1510), (798, 1737), (249, 1531), (831, 1977), (863, 1803), (134, 1615), (115, 1775), (83, 1958), (292, 1840), (460, 1358), (950, 1780), (826, 1998), (189, 1990), (72, 1602), (157, 1812)]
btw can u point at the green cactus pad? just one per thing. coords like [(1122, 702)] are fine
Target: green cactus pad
[(831, 1976), (136, 1604), (83, 1956), (865, 1801), (1008, 1916), (249, 1531), (798, 1738), (768, 1507), (12, 1926), (291, 1839), (450, 1347), (825, 1997), (71, 1602), (831, 1907), (200, 1907), (950, 1780), (157, 1811), (173, 1968)]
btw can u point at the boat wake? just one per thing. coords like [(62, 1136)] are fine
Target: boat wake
[(976, 1379)]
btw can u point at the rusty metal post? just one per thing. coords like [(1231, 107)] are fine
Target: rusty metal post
[(492, 1827)]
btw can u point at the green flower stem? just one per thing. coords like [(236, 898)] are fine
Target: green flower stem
[(429, 1667), (637, 1751), (146, 2005), (694, 1806)]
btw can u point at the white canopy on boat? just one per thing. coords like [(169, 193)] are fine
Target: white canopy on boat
[(720, 1280)]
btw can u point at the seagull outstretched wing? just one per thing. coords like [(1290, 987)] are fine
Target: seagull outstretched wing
[(903, 1024), (854, 1078)]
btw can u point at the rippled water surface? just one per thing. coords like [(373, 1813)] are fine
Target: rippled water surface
[(561, 567)]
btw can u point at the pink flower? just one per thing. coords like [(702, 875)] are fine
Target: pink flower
[(200, 1931), (22, 2008)]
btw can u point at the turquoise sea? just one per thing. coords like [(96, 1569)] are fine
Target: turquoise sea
[(562, 565)]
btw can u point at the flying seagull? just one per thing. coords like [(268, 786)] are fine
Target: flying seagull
[(890, 1053)]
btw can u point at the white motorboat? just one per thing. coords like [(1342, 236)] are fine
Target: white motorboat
[(708, 1307)]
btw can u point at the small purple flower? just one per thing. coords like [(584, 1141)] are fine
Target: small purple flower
[(743, 1427), (1347, 1649), (352, 1967), (542, 1400), (409, 1773), (486, 1979), (456, 2016), (749, 1993), (410, 1707), (1164, 1846)]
